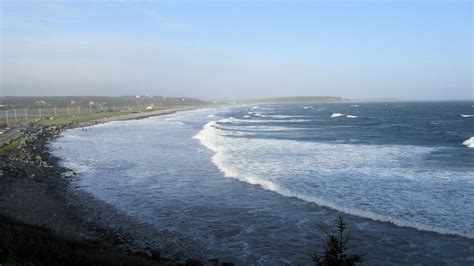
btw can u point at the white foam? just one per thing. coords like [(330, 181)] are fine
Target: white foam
[(469, 142), (76, 167), (235, 158), (467, 116), (211, 115), (208, 136), (352, 116), (229, 120), (270, 120), (337, 115), (285, 116), (255, 114)]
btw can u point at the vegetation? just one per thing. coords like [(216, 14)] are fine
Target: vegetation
[(60, 120), (95, 102), (10, 147), (22, 244), (336, 248), (16, 110)]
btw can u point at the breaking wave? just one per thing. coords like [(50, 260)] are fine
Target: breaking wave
[(337, 115), (469, 142), (230, 158)]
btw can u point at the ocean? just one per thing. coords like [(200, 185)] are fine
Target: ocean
[(258, 184)]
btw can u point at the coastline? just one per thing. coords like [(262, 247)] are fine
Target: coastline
[(36, 190)]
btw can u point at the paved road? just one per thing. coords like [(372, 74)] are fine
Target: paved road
[(10, 134)]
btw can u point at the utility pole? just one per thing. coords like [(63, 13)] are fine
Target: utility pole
[(55, 114), (8, 122), (68, 110), (26, 114), (113, 108), (16, 118), (39, 111), (79, 109)]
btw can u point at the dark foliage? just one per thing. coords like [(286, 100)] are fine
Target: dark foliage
[(22, 244), (336, 248)]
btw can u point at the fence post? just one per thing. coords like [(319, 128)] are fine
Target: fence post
[(8, 122)]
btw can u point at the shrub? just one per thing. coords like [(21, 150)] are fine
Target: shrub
[(336, 247)]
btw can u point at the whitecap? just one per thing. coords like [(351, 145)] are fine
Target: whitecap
[(352, 116), (469, 142), (467, 116), (336, 115), (231, 158), (284, 116)]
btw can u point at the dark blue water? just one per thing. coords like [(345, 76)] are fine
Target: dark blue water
[(252, 183)]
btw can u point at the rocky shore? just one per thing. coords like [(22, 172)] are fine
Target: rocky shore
[(36, 190)]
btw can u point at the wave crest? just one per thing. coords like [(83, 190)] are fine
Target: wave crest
[(469, 142), (225, 149)]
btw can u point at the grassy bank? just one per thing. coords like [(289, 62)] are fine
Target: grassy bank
[(10, 147)]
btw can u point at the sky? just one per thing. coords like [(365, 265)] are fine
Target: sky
[(213, 50)]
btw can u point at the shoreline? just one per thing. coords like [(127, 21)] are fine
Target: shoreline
[(37, 190)]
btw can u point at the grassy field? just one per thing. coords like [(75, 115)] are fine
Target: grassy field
[(10, 147), (50, 116)]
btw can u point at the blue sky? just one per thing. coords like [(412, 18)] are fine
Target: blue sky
[(238, 49)]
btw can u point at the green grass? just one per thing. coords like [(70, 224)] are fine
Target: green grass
[(79, 118), (10, 147)]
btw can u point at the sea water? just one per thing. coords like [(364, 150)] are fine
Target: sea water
[(258, 184)]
